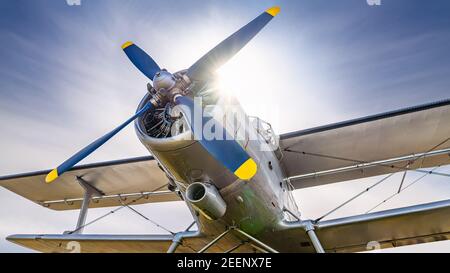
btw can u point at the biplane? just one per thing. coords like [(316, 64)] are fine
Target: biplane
[(238, 183)]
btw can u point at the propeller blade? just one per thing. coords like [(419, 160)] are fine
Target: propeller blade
[(141, 60), (69, 163), (226, 150), (220, 54)]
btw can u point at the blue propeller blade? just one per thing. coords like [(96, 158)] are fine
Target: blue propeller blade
[(226, 150), (141, 60), (220, 54), (69, 163)]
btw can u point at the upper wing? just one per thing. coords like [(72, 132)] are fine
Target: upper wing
[(368, 146), (390, 228), (137, 179)]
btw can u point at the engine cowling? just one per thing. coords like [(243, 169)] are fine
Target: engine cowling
[(169, 139)]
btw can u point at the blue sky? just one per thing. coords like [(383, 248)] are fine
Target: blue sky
[(65, 81)]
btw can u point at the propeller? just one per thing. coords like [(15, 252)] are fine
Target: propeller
[(69, 163), (141, 60), (173, 88), (230, 46), (226, 150)]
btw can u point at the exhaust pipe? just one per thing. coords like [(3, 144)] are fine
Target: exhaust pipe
[(207, 199)]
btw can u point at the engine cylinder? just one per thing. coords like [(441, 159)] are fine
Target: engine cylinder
[(207, 198), (173, 145)]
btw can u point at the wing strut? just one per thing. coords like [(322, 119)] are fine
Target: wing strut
[(308, 226), (89, 192)]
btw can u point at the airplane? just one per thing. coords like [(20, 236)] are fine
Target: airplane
[(239, 189)]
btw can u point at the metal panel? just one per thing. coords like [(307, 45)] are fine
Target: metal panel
[(113, 178), (374, 138)]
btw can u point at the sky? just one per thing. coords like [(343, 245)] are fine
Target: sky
[(64, 81)]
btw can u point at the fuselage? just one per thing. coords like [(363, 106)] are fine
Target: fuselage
[(255, 206)]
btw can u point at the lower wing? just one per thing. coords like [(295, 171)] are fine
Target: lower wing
[(384, 229)]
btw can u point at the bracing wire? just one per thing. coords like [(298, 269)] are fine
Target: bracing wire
[(397, 193), (104, 215), (114, 211), (381, 180), (354, 197), (146, 218)]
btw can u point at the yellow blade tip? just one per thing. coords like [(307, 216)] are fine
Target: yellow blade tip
[(247, 170), (51, 176), (273, 10), (126, 44)]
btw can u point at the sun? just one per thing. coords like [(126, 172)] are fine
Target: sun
[(244, 76)]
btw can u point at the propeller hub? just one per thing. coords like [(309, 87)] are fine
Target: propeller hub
[(163, 79)]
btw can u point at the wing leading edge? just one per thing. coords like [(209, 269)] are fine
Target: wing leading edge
[(369, 146)]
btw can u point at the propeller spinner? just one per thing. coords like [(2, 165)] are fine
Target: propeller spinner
[(171, 88)]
